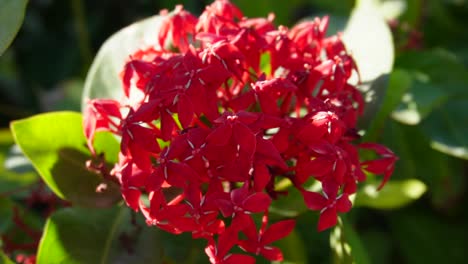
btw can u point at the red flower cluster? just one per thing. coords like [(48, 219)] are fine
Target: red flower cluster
[(222, 108)]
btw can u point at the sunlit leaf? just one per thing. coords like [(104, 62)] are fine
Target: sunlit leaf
[(395, 194), (74, 235), (11, 19), (369, 40), (4, 259), (102, 80), (420, 101), (399, 83), (56, 146)]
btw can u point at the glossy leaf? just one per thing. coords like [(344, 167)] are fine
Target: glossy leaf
[(76, 235), (11, 19), (368, 38), (102, 80), (442, 174), (398, 84), (433, 86), (447, 129), (346, 245), (4, 259), (56, 146), (394, 195)]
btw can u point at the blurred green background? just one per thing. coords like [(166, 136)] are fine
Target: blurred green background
[(425, 123)]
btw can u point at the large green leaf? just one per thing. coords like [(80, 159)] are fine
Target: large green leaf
[(102, 80), (433, 85), (442, 174), (4, 259), (424, 237), (11, 18), (447, 128), (395, 194), (346, 245), (420, 100), (56, 146), (76, 235), (293, 248), (369, 40), (6, 213), (399, 83)]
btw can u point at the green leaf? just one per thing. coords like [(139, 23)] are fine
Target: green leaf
[(265, 63), (293, 249), (56, 146), (77, 235), (429, 62), (423, 237), (442, 174), (102, 80), (346, 245), (6, 212), (291, 205), (368, 38), (4, 259), (378, 246), (399, 83), (421, 99), (447, 129), (11, 18), (394, 194)]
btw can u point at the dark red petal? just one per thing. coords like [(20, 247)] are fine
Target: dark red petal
[(277, 231), (272, 253), (314, 201), (343, 204), (245, 138), (185, 111), (257, 202), (269, 151), (239, 259), (328, 218), (226, 241), (220, 136), (132, 197), (167, 125), (261, 176), (250, 229), (238, 195)]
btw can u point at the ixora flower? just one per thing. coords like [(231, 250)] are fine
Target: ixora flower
[(221, 109)]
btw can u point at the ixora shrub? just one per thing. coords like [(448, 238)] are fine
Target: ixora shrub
[(213, 117)]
